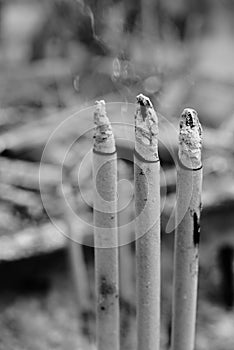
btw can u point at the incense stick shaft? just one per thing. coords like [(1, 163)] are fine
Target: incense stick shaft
[(189, 183), (186, 262), (147, 205), (105, 237), (148, 255)]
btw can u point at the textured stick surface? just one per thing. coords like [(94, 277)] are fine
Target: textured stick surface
[(105, 232), (189, 185), (147, 204)]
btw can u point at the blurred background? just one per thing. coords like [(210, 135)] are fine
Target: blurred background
[(56, 58)]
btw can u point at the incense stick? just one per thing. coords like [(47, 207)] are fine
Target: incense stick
[(189, 183), (105, 231), (147, 205)]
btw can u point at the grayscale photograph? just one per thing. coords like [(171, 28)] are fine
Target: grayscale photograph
[(117, 175)]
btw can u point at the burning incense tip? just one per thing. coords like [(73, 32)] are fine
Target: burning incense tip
[(103, 135), (146, 129), (144, 101), (190, 139)]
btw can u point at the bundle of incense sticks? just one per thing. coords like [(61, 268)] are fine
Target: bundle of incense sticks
[(147, 229)]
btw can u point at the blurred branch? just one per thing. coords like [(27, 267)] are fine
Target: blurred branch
[(26, 175), (34, 240)]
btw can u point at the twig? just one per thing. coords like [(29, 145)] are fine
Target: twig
[(74, 243), (34, 240), (189, 182), (105, 231), (25, 174), (147, 202)]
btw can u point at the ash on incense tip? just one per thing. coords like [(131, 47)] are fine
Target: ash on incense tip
[(103, 134), (190, 139), (143, 100), (146, 128)]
